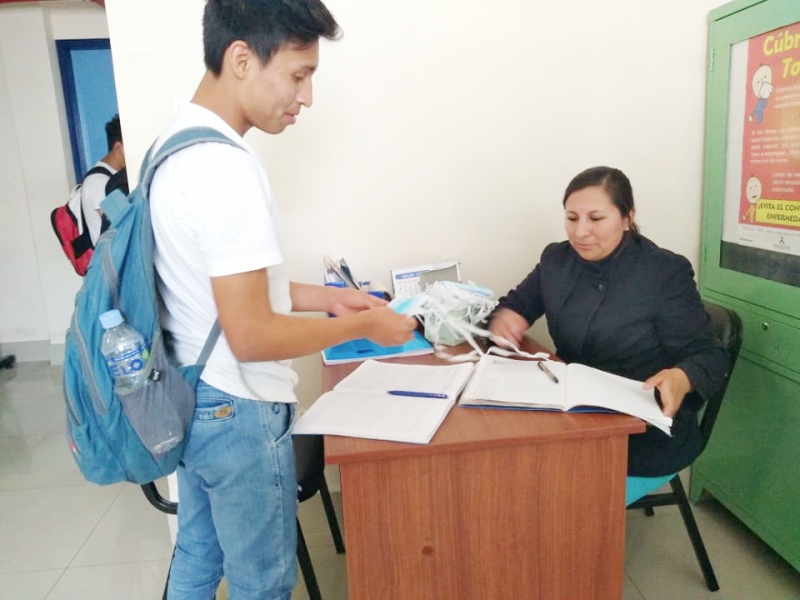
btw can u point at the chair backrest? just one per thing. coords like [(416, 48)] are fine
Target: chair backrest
[(727, 328), (309, 453)]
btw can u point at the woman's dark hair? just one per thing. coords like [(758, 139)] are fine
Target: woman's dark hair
[(264, 25), (614, 183)]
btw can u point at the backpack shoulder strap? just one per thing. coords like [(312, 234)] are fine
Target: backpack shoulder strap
[(176, 143), (97, 170), (117, 203), (179, 141)]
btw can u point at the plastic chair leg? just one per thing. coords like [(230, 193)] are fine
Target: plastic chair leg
[(694, 534), (304, 558), (333, 522), (649, 511)]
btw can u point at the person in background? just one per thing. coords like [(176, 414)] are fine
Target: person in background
[(220, 255), (615, 301), (118, 181), (93, 188)]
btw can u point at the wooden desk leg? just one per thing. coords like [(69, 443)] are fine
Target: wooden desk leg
[(538, 521)]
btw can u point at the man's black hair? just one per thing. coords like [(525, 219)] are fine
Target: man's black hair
[(264, 25), (113, 132)]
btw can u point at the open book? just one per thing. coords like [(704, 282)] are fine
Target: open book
[(508, 383), (360, 405)]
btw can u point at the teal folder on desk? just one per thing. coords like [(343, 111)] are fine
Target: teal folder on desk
[(362, 349)]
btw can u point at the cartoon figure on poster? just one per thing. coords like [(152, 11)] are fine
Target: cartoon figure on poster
[(752, 191), (762, 88)]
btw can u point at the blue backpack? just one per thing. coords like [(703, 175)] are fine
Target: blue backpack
[(111, 433)]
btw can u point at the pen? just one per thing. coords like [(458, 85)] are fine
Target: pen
[(547, 372), (416, 394)]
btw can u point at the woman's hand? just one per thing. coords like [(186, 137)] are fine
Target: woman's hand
[(672, 385), (509, 325)]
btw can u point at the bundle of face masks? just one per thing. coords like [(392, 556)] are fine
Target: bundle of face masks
[(453, 313)]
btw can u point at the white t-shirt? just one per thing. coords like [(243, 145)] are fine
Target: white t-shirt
[(93, 192), (213, 215)]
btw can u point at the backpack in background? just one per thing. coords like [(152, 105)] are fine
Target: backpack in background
[(70, 228), (109, 431)]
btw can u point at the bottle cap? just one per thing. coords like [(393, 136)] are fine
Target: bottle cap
[(111, 318)]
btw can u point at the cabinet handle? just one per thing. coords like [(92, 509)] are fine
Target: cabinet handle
[(765, 326)]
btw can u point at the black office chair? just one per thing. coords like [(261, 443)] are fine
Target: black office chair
[(310, 460), (727, 327), (310, 467)]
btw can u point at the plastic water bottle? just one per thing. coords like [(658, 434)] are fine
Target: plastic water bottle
[(124, 349)]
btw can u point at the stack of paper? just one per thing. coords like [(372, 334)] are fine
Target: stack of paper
[(361, 405)]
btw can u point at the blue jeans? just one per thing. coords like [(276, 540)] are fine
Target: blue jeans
[(237, 501)]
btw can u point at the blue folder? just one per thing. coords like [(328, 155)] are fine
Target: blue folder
[(363, 349)]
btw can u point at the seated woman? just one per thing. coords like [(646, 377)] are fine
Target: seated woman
[(617, 302)]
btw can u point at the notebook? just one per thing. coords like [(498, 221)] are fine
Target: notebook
[(363, 349), (360, 405), (500, 382)]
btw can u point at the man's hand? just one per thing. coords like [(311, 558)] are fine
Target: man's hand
[(346, 301), (672, 385), (387, 328)]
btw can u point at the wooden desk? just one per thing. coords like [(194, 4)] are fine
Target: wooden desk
[(501, 504)]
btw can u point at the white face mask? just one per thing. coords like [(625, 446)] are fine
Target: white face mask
[(457, 307)]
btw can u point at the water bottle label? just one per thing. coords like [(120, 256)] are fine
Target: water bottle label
[(131, 362)]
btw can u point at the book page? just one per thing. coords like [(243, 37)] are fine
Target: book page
[(511, 381), (373, 415), (587, 386), (375, 376)]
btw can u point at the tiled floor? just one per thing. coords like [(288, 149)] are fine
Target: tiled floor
[(64, 539)]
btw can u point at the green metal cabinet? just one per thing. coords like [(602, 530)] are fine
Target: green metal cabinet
[(751, 262)]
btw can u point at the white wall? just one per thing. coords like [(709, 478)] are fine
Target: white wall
[(451, 127), (439, 128), (37, 284)]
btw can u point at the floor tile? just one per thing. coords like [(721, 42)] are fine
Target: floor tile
[(33, 371), (31, 381), (32, 462), (45, 529), (330, 570), (32, 585), (661, 563), (132, 581), (131, 531), (30, 415), (62, 538), (630, 591)]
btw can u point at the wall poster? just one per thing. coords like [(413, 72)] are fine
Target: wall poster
[(761, 232)]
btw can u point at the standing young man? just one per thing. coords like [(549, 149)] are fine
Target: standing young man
[(93, 188), (219, 254)]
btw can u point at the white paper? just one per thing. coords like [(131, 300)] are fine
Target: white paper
[(360, 405), (512, 383), (499, 379), (376, 376)]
